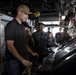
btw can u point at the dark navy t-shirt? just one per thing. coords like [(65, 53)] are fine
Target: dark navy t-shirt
[(15, 31)]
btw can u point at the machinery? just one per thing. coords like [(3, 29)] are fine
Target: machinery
[(62, 61)]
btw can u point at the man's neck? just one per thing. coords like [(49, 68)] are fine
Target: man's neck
[(40, 30), (18, 19)]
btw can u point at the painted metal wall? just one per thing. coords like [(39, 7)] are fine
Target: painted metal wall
[(4, 19)]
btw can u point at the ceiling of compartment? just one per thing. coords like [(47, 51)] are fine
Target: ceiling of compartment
[(48, 7)]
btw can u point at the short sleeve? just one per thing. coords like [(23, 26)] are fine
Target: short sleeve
[(9, 32)]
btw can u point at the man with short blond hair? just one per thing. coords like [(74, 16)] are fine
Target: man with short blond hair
[(16, 46)]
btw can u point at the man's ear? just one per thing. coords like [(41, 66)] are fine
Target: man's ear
[(19, 12)]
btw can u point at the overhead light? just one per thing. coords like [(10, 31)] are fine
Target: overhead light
[(50, 22), (63, 17)]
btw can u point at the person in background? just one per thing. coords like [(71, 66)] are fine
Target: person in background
[(30, 39), (65, 35), (16, 45), (51, 41), (58, 36), (49, 32), (40, 38)]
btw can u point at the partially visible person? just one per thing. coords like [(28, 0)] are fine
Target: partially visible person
[(16, 46), (58, 36), (65, 35), (51, 40), (40, 38), (30, 39), (49, 32)]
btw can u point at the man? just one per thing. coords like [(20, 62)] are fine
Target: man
[(51, 41), (28, 32), (65, 35), (16, 46), (40, 38), (58, 36), (49, 32)]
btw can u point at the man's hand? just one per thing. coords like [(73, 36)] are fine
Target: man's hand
[(35, 54), (26, 63)]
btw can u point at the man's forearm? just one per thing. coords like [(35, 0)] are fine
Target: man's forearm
[(30, 51), (14, 52)]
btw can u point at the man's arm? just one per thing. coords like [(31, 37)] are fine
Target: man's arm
[(30, 51), (12, 49)]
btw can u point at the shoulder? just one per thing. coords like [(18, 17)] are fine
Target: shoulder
[(10, 24), (34, 33), (45, 33)]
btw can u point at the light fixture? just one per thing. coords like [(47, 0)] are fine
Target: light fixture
[(63, 17), (50, 22)]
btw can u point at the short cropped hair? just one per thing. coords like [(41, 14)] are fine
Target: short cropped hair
[(40, 24)]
